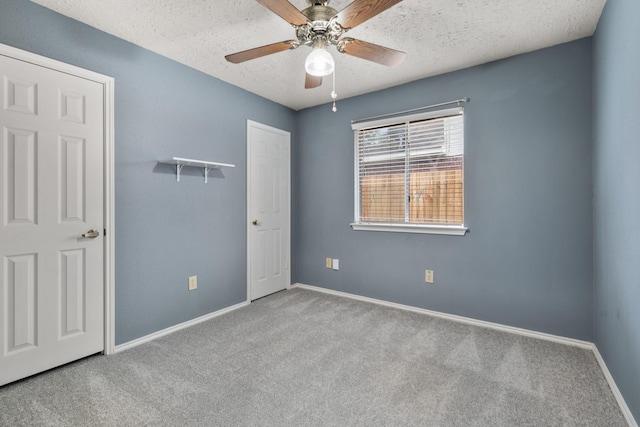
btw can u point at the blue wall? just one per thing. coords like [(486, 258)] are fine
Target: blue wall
[(617, 194), (527, 260), (165, 231)]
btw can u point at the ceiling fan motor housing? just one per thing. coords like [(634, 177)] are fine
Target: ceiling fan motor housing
[(321, 24)]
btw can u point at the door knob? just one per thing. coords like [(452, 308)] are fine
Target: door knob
[(256, 222), (91, 234)]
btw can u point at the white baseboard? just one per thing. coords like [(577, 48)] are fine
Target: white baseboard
[(614, 389), (172, 329), (455, 318)]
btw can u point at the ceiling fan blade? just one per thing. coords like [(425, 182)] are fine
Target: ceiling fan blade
[(257, 52), (361, 10), (371, 52), (312, 81), (285, 10)]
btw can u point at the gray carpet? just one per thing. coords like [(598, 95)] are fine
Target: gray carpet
[(302, 358)]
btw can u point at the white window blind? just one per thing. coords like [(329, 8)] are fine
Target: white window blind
[(410, 170)]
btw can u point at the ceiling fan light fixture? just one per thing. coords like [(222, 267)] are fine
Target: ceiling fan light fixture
[(319, 63)]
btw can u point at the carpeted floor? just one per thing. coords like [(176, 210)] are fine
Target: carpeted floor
[(302, 358)]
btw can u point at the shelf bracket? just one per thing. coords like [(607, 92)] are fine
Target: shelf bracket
[(206, 173), (178, 169)]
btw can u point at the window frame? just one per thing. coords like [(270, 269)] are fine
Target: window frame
[(407, 227)]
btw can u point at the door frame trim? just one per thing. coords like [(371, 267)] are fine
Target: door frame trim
[(253, 124), (108, 161)]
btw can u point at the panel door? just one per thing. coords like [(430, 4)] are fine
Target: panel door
[(268, 210), (51, 193)]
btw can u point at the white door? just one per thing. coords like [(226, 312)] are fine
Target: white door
[(51, 193), (268, 209)]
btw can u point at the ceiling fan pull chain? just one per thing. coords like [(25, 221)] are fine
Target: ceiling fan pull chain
[(334, 95)]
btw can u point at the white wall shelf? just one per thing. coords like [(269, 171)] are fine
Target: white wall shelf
[(181, 162)]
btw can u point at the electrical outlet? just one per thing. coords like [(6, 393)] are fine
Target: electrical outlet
[(193, 283), (336, 264), (428, 276), (328, 263)]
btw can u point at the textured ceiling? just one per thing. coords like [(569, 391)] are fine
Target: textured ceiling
[(438, 36)]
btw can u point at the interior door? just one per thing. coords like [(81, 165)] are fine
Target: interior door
[(51, 209), (268, 207)]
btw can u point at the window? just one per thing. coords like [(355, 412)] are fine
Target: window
[(410, 173)]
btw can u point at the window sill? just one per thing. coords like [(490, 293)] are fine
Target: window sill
[(451, 230)]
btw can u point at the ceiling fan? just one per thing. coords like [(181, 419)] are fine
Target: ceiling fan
[(320, 26)]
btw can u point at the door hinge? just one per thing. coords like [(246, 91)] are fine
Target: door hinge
[(105, 232)]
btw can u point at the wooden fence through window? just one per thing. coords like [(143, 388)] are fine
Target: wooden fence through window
[(436, 197)]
